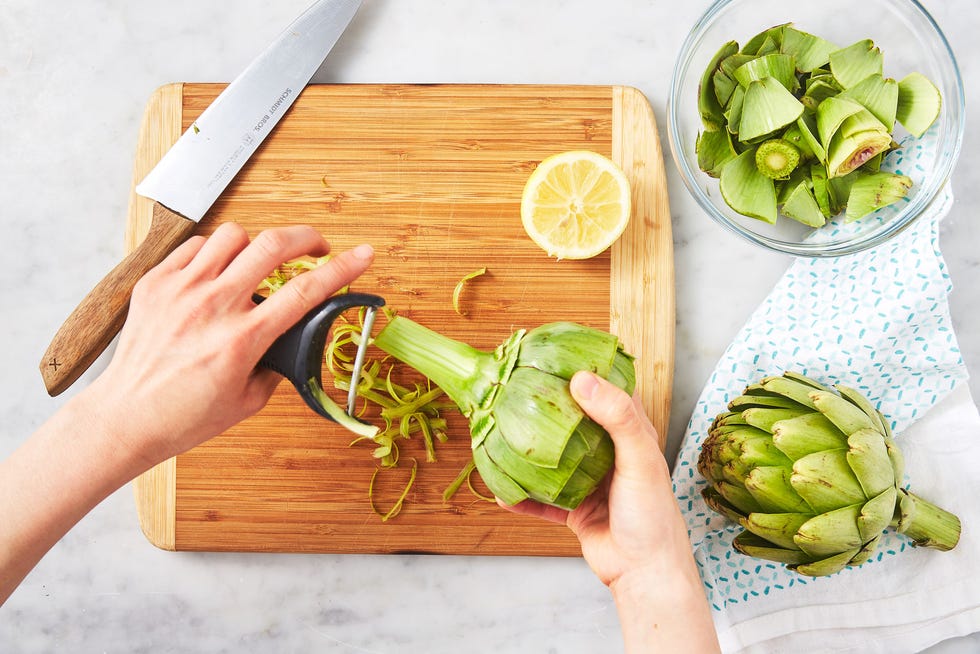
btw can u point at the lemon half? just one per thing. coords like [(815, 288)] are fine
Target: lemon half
[(575, 204)]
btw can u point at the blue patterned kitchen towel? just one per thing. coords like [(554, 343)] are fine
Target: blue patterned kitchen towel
[(877, 321)]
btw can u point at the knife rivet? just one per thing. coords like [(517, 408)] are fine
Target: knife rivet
[(54, 363)]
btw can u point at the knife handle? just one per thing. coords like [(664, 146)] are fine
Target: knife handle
[(100, 316)]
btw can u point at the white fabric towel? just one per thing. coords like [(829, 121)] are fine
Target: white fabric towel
[(877, 321)]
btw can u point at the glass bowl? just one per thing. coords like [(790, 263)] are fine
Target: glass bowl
[(910, 41)]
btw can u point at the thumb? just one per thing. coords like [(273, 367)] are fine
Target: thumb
[(632, 433)]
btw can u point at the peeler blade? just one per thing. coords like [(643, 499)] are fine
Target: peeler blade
[(355, 375)]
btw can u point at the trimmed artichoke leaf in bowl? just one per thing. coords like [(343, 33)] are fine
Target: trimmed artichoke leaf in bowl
[(815, 130)]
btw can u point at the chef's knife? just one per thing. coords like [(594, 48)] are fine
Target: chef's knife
[(193, 173)]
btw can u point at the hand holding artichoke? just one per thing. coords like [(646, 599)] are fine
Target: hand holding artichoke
[(530, 438), (814, 477)]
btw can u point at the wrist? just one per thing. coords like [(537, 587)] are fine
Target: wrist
[(108, 427), (662, 607), (657, 584)]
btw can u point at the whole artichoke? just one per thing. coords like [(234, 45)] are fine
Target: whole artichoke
[(814, 477), (530, 439)]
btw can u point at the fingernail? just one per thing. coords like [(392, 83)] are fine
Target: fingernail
[(584, 384), (364, 252)]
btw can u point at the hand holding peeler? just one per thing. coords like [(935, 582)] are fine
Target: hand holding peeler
[(298, 353)]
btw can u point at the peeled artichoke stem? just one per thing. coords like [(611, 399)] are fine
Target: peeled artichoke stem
[(930, 525), (459, 369)]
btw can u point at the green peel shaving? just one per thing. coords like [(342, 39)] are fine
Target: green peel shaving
[(795, 125)]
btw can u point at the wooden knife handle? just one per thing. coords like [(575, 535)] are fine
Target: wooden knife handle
[(100, 316)]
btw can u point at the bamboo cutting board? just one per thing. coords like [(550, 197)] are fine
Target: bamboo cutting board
[(431, 176)]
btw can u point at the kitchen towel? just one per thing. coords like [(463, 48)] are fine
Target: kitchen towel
[(877, 321)]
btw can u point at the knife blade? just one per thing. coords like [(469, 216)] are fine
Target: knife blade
[(193, 173)]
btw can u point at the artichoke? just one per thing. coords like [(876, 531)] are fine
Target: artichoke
[(814, 477), (530, 439)]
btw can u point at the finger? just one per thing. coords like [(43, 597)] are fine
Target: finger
[(270, 249), (632, 434), (538, 510), (303, 292), (182, 254), (218, 251)]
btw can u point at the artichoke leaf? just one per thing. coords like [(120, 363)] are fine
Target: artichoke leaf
[(737, 496), (728, 418), (712, 113), (831, 114), (780, 66), (725, 82), (765, 418), (720, 505), (777, 528), (806, 434), (869, 460), (877, 94), (791, 388), (919, 103), (762, 400), (807, 124), (499, 483), (831, 532), (746, 190), (767, 107), (866, 552), (587, 476), (874, 191), (564, 348), (536, 414), (623, 372), (821, 188), (770, 486), (895, 456), (724, 85), (862, 402), (757, 45), (542, 483), (714, 150), (818, 91), (827, 566), (825, 480), (856, 62), (754, 447), (751, 545), (877, 513), (839, 188), (802, 207), (842, 413), (809, 51), (803, 379), (733, 111)]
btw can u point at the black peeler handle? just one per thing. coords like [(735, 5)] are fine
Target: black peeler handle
[(297, 354)]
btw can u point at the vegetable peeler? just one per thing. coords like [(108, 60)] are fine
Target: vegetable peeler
[(297, 354)]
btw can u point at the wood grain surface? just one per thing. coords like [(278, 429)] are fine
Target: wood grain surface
[(432, 177)]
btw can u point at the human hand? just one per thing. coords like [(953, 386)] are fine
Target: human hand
[(632, 517), (185, 366), (632, 533)]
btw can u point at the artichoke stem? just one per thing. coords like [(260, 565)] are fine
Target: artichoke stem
[(459, 369), (932, 526)]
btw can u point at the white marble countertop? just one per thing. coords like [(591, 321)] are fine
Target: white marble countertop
[(74, 76)]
